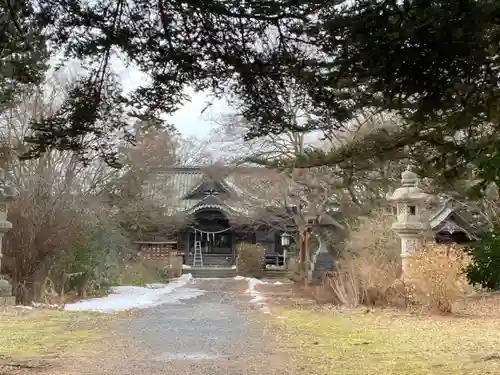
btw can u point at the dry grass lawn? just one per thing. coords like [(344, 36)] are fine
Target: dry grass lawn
[(382, 342), (32, 334)]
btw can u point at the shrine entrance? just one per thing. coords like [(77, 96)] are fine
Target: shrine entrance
[(211, 243), (213, 230)]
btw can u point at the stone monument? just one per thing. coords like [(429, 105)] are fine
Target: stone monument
[(7, 195), (409, 226)]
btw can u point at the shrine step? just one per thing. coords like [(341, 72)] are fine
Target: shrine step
[(211, 272), (275, 274), (212, 260)]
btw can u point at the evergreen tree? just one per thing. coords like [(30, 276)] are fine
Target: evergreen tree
[(433, 63), (23, 51)]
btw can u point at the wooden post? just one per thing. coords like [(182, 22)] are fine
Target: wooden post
[(233, 247), (307, 240), (302, 246), (305, 237)]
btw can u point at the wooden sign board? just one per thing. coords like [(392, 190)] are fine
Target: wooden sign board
[(157, 250)]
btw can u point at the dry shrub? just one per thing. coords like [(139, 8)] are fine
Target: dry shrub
[(435, 282), (143, 272), (250, 259), (375, 274), (54, 226), (369, 273), (436, 277), (344, 287), (364, 279), (174, 267), (44, 231), (374, 235), (296, 271), (369, 270), (320, 292)]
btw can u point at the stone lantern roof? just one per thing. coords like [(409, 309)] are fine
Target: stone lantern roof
[(409, 190)]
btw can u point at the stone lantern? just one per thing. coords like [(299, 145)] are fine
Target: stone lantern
[(7, 195), (285, 244), (409, 225)]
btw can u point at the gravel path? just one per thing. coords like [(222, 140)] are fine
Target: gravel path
[(216, 333)]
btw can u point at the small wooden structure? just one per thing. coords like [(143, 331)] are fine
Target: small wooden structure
[(157, 250), (456, 223)]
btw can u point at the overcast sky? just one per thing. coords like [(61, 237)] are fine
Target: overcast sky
[(189, 119)]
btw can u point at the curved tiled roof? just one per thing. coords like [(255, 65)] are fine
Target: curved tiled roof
[(200, 207), (242, 190), (181, 183)]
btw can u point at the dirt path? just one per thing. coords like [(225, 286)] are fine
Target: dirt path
[(216, 333)]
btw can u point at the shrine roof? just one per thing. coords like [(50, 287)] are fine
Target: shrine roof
[(241, 190), (180, 185), (453, 213)]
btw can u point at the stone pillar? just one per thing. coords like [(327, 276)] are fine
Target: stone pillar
[(7, 195), (409, 201)]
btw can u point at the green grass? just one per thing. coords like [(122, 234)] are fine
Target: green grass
[(42, 333), (382, 343)]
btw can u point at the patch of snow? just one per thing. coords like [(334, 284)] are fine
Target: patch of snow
[(278, 283), (134, 297), (23, 307), (233, 267), (40, 305), (257, 297), (155, 286), (252, 283), (185, 267)]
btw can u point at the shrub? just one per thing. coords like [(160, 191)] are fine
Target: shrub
[(376, 273), (94, 266), (374, 235), (344, 287), (322, 292), (484, 266), (369, 272), (250, 259), (45, 230), (141, 273), (370, 267), (174, 267), (5, 288), (73, 242), (296, 271), (436, 280), (363, 278), (436, 276)]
